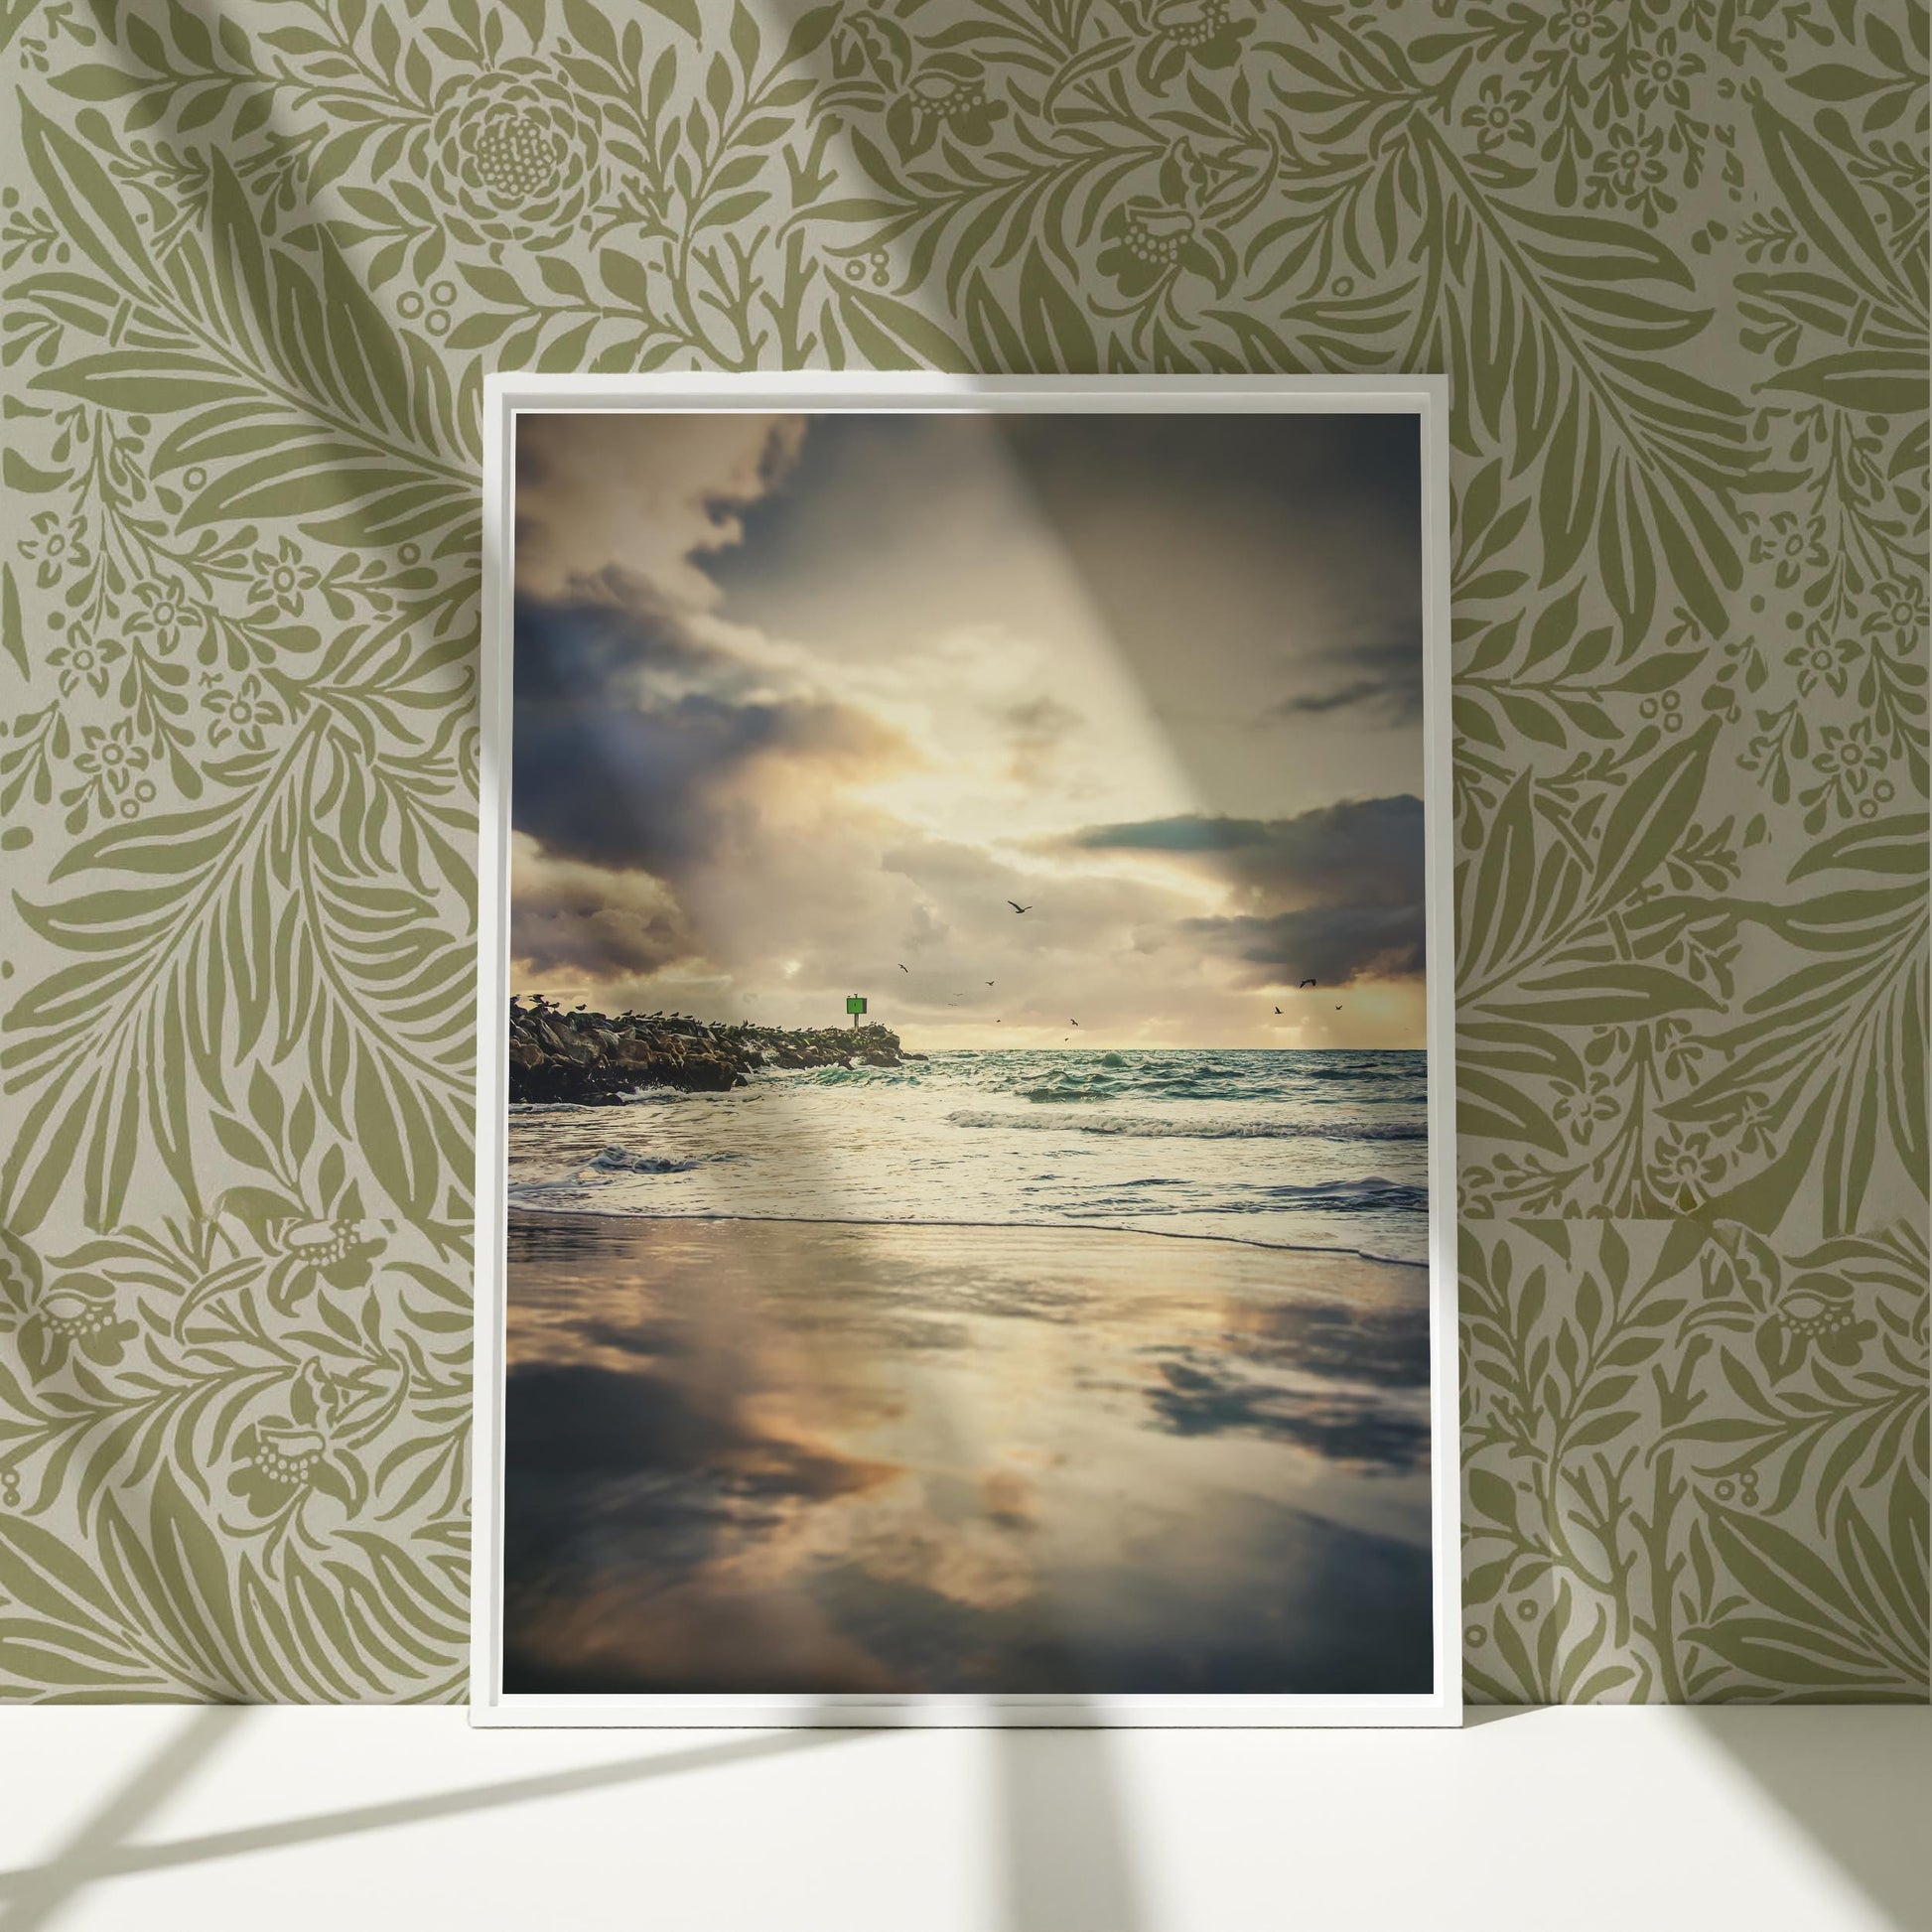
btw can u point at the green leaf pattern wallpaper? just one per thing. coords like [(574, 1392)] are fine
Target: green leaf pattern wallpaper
[(256, 260)]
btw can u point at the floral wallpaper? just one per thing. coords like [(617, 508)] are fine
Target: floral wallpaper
[(256, 259)]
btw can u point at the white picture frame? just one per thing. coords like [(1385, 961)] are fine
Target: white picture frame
[(508, 396)]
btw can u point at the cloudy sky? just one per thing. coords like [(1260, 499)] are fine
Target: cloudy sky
[(802, 701)]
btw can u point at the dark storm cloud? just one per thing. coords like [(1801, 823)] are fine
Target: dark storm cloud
[(1331, 944), (1383, 680), (1367, 851), (1191, 832), (1287, 461), (569, 917), (1337, 893), (627, 728)]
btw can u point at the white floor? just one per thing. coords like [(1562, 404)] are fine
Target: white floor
[(1535, 1820)]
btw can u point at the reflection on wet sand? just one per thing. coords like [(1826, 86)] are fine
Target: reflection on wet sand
[(775, 1456)]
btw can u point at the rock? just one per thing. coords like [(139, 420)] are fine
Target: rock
[(590, 1058)]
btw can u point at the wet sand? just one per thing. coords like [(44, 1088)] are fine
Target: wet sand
[(801, 1456)]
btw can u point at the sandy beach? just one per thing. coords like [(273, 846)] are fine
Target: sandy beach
[(775, 1455)]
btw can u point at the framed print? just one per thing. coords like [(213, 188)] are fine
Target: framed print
[(965, 1165)]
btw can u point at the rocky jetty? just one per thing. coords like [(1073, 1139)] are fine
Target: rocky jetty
[(589, 1058)]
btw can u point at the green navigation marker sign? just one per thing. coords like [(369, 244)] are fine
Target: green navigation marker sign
[(855, 1005)]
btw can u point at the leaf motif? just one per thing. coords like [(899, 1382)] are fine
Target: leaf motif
[(1898, 844), (126, 380), (1870, 381), (1494, 1109), (1654, 815), (13, 639), (1811, 1630), (1053, 325), (892, 335), (1613, 993), (1824, 197), (81, 195)]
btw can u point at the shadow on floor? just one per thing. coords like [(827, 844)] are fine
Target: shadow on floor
[(1066, 1852), (1856, 1779), (1475, 1716), (31, 1898), (1064, 1849)]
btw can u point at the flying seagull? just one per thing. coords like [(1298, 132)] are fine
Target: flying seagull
[(1278, 1009), (901, 966), (1073, 1023), (1017, 908), (989, 982), (1339, 1009), (1307, 982)]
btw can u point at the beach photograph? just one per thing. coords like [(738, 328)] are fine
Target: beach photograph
[(968, 1142)]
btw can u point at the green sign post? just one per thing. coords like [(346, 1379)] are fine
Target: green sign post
[(855, 1005)]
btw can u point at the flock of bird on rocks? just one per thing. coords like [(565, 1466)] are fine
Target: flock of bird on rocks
[(588, 1057)]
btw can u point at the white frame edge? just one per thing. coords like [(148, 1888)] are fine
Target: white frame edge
[(504, 396)]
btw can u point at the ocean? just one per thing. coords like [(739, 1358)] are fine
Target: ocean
[(879, 1379), (1268, 1147)]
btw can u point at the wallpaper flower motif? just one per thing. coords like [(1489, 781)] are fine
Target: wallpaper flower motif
[(257, 259), (514, 158)]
